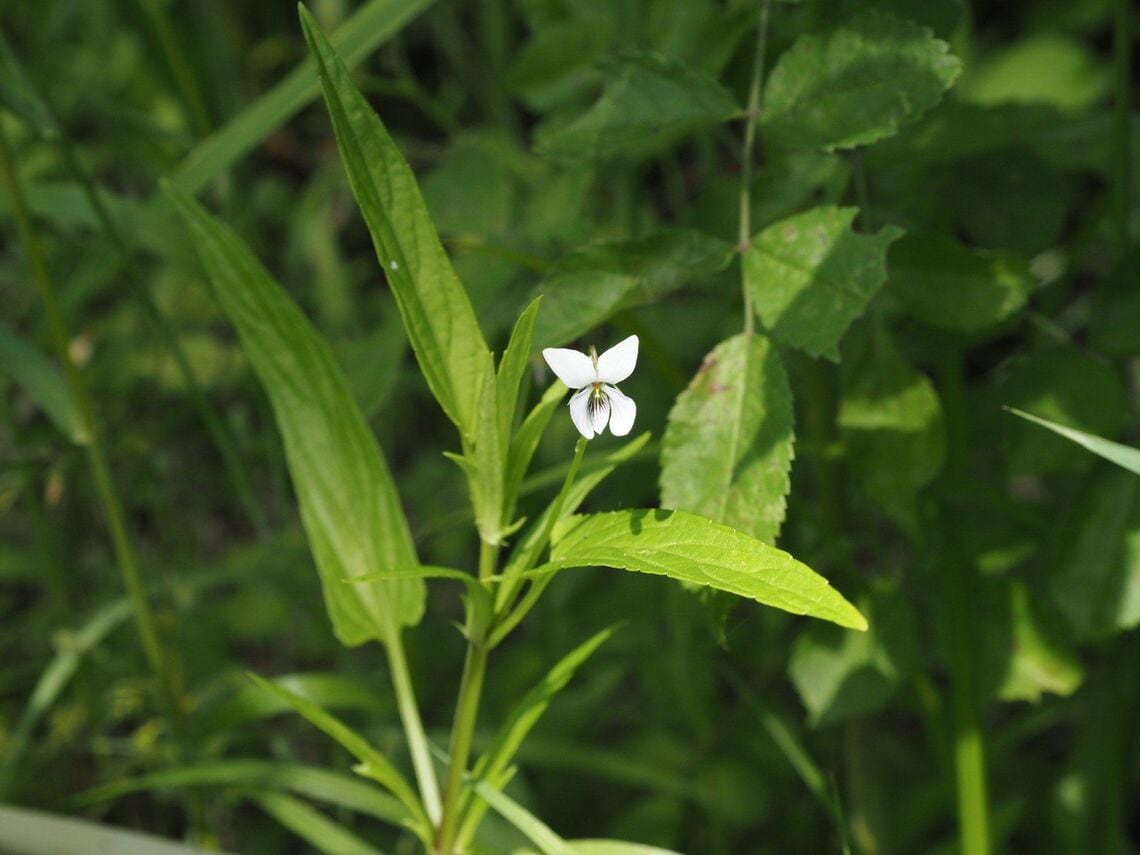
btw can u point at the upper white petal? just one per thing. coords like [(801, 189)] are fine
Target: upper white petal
[(622, 411), (618, 362), (579, 413), (572, 367)]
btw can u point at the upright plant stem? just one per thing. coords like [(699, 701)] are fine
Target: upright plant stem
[(163, 670), (1122, 123), (744, 236), (958, 578), (179, 66), (413, 726)]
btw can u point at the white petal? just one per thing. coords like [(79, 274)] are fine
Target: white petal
[(573, 368), (579, 412), (599, 411), (623, 411), (617, 363)]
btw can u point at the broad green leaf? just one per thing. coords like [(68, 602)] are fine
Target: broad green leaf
[(810, 276), (952, 287), (1065, 386), (1094, 579), (538, 832), (587, 287), (891, 423), (844, 675), (855, 84), (649, 101), (43, 381), (1048, 68), (373, 764), (728, 445), (693, 549), (498, 755), (437, 313), (370, 25), (311, 825), (32, 832), (1121, 455), (312, 782), (349, 505)]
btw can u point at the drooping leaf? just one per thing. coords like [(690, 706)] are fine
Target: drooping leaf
[(348, 502), (437, 313), (649, 101), (1121, 455), (587, 287), (810, 276), (373, 764), (855, 84), (693, 549), (949, 286), (891, 423), (537, 831), (728, 445), (312, 826), (44, 383)]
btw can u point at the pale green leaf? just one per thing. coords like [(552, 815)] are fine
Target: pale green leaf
[(31, 832), (43, 381), (953, 287), (1038, 657), (727, 449), (693, 549), (525, 443), (374, 765), (487, 459), (538, 832), (1046, 68), (649, 101), (512, 368), (607, 847), (437, 313), (1121, 455), (891, 422), (810, 276), (349, 505), (855, 84), (311, 825)]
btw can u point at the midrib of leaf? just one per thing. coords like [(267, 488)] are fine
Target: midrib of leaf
[(732, 460)]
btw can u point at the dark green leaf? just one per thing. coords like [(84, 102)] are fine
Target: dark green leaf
[(44, 383)]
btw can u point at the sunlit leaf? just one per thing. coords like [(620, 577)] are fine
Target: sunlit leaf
[(1121, 455), (693, 549), (349, 505), (810, 276), (728, 445), (855, 84)]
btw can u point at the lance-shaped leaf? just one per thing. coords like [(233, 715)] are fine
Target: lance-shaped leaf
[(649, 101), (810, 276), (43, 382), (437, 313), (855, 84), (690, 548), (1121, 455), (728, 445), (348, 503)]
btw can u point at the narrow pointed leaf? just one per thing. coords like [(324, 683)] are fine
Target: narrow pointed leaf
[(1121, 455), (44, 383), (693, 549), (312, 826), (348, 502), (810, 276), (437, 313), (856, 84), (727, 449), (512, 367), (538, 832)]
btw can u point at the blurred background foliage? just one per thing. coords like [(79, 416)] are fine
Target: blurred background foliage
[(696, 728)]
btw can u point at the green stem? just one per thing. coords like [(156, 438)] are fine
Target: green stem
[(462, 732), (155, 12), (958, 618), (413, 726), (752, 115), (164, 671), (1122, 123)]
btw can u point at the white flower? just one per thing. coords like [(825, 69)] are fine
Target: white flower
[(597, 401)]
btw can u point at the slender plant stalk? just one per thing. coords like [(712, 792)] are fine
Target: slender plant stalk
[(751, 116), (155, 12), (958, 617), (413, 726), (164, 669), (1122, 123)]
